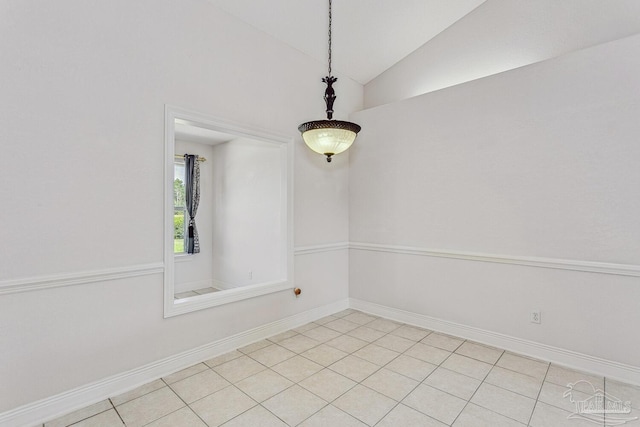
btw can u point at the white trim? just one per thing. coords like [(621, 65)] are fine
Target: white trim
[(79, 278), (225, 296), (556, 263), (314, 249), (63, 403), (173, 307), (183, 257), (192, 286), (223, 286), (583, 362)]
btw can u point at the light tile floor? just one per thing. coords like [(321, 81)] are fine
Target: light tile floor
[(354, 369)]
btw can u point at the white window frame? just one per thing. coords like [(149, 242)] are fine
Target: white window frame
[(177, 161), (174, 307)]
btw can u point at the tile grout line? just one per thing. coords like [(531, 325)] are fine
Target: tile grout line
[(117, 412), (535, 400), (172, 391), (326, 367), (495, 364), (180, 397), (471, 397), (370, 375), (277, 373), (357, 382), (397, 402), (546, 373)]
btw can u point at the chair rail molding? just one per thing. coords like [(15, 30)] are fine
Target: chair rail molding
[(27, 284), (35, 283), (314, 249), (555, 263)]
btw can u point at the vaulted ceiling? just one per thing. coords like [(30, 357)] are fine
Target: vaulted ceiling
[(418, 46)]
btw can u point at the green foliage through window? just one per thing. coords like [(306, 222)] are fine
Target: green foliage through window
[(178, 192), (179, 203)]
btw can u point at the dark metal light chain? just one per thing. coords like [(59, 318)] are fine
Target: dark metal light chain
[(329, 93), (329, 37)]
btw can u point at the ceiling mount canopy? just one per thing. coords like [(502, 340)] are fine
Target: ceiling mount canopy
[(329, 137)]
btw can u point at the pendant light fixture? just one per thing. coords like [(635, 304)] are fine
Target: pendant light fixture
[(329, 137)]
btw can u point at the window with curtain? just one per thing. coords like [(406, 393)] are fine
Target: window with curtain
[(192, 200), (179, 204)]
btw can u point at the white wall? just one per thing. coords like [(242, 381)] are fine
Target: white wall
[(82, 114), (501, 35), (541, 161), (247, 241), (196, 271)]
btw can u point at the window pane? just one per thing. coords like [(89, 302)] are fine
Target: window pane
[(179, 204), (178, 184), (178, 231)]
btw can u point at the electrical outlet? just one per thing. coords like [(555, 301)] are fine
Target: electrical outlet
[(535, 316)]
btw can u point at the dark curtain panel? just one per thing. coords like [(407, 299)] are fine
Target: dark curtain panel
[(192, 196)]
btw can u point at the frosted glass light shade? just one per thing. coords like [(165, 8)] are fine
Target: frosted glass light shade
[(329, 137)]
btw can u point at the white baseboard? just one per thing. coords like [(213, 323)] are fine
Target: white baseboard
[(69, 401), (571, 359)]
